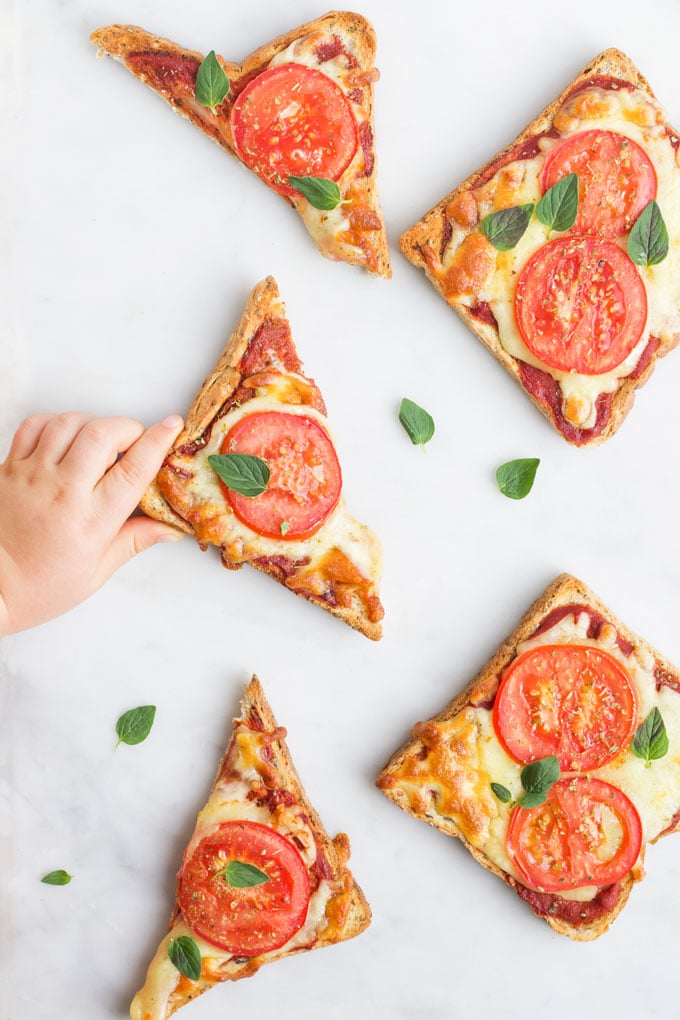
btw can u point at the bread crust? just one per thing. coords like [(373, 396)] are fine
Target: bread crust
[(430, 231), (123, 41), (563, 591)]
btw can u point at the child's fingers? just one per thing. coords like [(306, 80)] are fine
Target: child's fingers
[(136, 535), (96, 446), (123, 485), (58, 434), (27, 435)]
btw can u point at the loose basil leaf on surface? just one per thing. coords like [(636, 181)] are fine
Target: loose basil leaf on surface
[(186, 956), (59, 877), (135, 725), (539, 776), (242, 472), (648, 240), (505, 227), (558, 208), (419, 425), (319, 192), (212, 84), (501, 792), (242, 875), (515, 478), (650, 741)]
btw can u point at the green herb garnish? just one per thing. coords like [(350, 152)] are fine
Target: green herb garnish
[(135, 725), (242, 472), (505, 227), (59, 877), (419, 425), (212, 84), (558, 208), (651, 740), (648, 240), (515, 478), (186, 956), (318, 191), (537, 778), (242, 875)]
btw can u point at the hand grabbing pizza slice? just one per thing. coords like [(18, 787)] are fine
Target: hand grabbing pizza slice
[(298, 112), (260, 878), (256, 473)]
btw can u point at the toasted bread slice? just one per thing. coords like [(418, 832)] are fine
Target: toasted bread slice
[(339, 45), (480, 283), (442, 775), (338, 565), (256, 786)]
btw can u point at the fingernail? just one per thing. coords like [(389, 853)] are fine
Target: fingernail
[(173, 421), (170, 536)]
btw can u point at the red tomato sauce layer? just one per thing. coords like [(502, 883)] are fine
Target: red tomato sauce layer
[(596, 622), (576, 912), (157, 67)]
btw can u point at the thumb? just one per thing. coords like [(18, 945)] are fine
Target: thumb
[(136, 535)]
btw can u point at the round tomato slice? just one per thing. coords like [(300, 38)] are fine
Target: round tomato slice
[(616, 180), (574, 701), (586, 833), (580, 305), (246, 920), (305, 481), (293, 120)]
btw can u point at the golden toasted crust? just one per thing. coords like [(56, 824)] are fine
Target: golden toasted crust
[(123, 41), (430, 231), (563, 591)]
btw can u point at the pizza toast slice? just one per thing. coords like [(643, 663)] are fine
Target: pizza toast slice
[(260, 878), (257, 411), (558, 763), (299, 107), (561, 254)]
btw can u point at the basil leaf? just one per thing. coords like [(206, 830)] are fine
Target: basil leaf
[(505, 227), (516, 477), (284, 527), (539, 776), (186, 956), (419, 425), (501, 792), (651, 740), (242, 472), (531, 799), (59, 877), (558, 208), (318, 191), (212, 84), (242, 875), (135, 725), (648, 240)]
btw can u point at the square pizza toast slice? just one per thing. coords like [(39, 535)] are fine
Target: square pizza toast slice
[(260, 879), (300, 106), (533, 249), (558, 763), (257, 402)]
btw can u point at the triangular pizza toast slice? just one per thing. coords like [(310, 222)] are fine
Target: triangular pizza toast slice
[(300, 106), (260, 878), (258, 410), (558, 763)]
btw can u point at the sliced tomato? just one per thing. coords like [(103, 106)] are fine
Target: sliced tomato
[(586, 833), (293, 120), (580, 305), (574, 701), (251, 920), (615, 176), (305, 482)]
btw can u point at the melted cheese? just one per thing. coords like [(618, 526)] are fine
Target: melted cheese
[(626, 112)]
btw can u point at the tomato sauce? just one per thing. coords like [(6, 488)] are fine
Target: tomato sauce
[(271, 347), (596, 623), (163, 70), (576, 912), (546, 390)]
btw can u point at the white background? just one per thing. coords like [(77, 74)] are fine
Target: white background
[(129, 245)]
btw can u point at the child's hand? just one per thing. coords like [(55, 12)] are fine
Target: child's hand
[(65, 504)]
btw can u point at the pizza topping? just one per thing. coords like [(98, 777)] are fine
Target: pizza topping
[(418, 424), (242, 875), (294, 121), (648, 240), (186, 956), (537, 778), (336, 581), (616, 179), (558, 208), (575, 912), (250, 919), (305, 478), (319, 192), (241, 473), (580, 305), (586, 834), (575, 701), (505, 227), (651, 740), (212, 84), (515, 478), (271, 347)]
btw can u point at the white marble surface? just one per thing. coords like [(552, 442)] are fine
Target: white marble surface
[(130, 244)]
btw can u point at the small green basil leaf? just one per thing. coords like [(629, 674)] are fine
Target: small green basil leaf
[(539, 776), (242, 875), (284, 527), (648, 240), (212, 84), (501, 792), (318, 191), (558, 208), (516, 477), (651, 740), (135, 725), (242, 472), (531, 799), (505, 227), (59, 877), (419, 425), (186, 956)]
